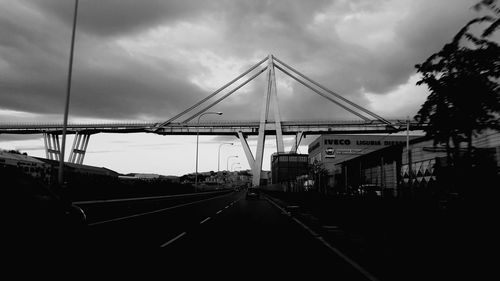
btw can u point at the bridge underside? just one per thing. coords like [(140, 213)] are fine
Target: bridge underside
[(228, 128)]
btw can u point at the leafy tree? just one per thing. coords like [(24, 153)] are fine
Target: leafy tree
[(318, 172), (463, 79), (494, 22)]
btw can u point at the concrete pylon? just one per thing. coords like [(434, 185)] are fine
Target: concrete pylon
[(79, 148), (270, 98), (52, 146)]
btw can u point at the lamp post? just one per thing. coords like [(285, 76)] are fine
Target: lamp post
[(227, 162), (232, 165), (197, 138), (66, 107), (218, 161)]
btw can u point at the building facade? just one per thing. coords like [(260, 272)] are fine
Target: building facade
[(286, 167), (423, 170), (331, 150)]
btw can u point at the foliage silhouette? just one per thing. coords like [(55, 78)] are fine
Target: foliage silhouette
[(463, 79), (464, 89)]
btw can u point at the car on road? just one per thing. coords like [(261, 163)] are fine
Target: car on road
[(370, 190), (253, 193)]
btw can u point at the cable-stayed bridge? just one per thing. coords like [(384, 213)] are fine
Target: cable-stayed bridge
[(369, 122)]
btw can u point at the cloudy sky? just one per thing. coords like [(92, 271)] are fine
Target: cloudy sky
[(148, 60)]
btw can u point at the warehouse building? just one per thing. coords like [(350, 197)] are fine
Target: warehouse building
[(420, 171), (331, 150)]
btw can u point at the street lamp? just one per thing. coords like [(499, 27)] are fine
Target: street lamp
[(218, 161), (227, 162), (232, 165), (197, 138)]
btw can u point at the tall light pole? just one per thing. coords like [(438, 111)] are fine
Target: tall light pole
[(227, 162), (232, 165), (66, 107), (218, 161), (197, 138)]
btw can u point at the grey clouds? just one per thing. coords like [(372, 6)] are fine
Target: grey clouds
[(148, 60)]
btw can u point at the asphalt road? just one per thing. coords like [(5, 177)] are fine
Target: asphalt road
[(227, 230)]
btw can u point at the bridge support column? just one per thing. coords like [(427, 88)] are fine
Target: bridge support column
[(52, 146), (271, 97), (298, 138), (79, 148), (246, 148)]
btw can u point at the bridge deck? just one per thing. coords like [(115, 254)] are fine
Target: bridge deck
[(213, 128)]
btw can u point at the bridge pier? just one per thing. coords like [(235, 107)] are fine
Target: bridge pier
[(271, 98), (79, 148), (246, 148), (298, 138), (53, 147)]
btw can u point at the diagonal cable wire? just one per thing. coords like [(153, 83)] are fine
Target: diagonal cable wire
[(157, 127), (323, 95), (334, 94), (225, 96)]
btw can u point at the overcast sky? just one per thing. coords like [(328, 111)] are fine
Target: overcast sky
[(148, 60)]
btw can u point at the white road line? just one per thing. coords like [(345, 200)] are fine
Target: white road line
[(143, 198), (219, 211), (152, 212), (204, 220), (173, 240), (312, 232), (329, 246)]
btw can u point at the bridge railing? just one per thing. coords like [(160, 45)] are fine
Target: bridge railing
[(147, 124)]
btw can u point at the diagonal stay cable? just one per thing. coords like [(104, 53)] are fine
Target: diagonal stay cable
[(335, 94), (210, 96), (323, 95), (225, 96)]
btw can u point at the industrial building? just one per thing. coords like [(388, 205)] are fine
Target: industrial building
[(331, 150), (46, 169), (419, 169), (29, 165), (286, 167)]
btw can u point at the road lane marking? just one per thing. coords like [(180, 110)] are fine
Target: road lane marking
[(172, 240), (328, 245), (219, 211), (144, 198), (312, 232), (204, 220), (155, 211)]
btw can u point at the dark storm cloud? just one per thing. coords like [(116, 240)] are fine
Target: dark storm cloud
[(111, 81), (107, 82), (119, 17), (347, 68), (133, 90)]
